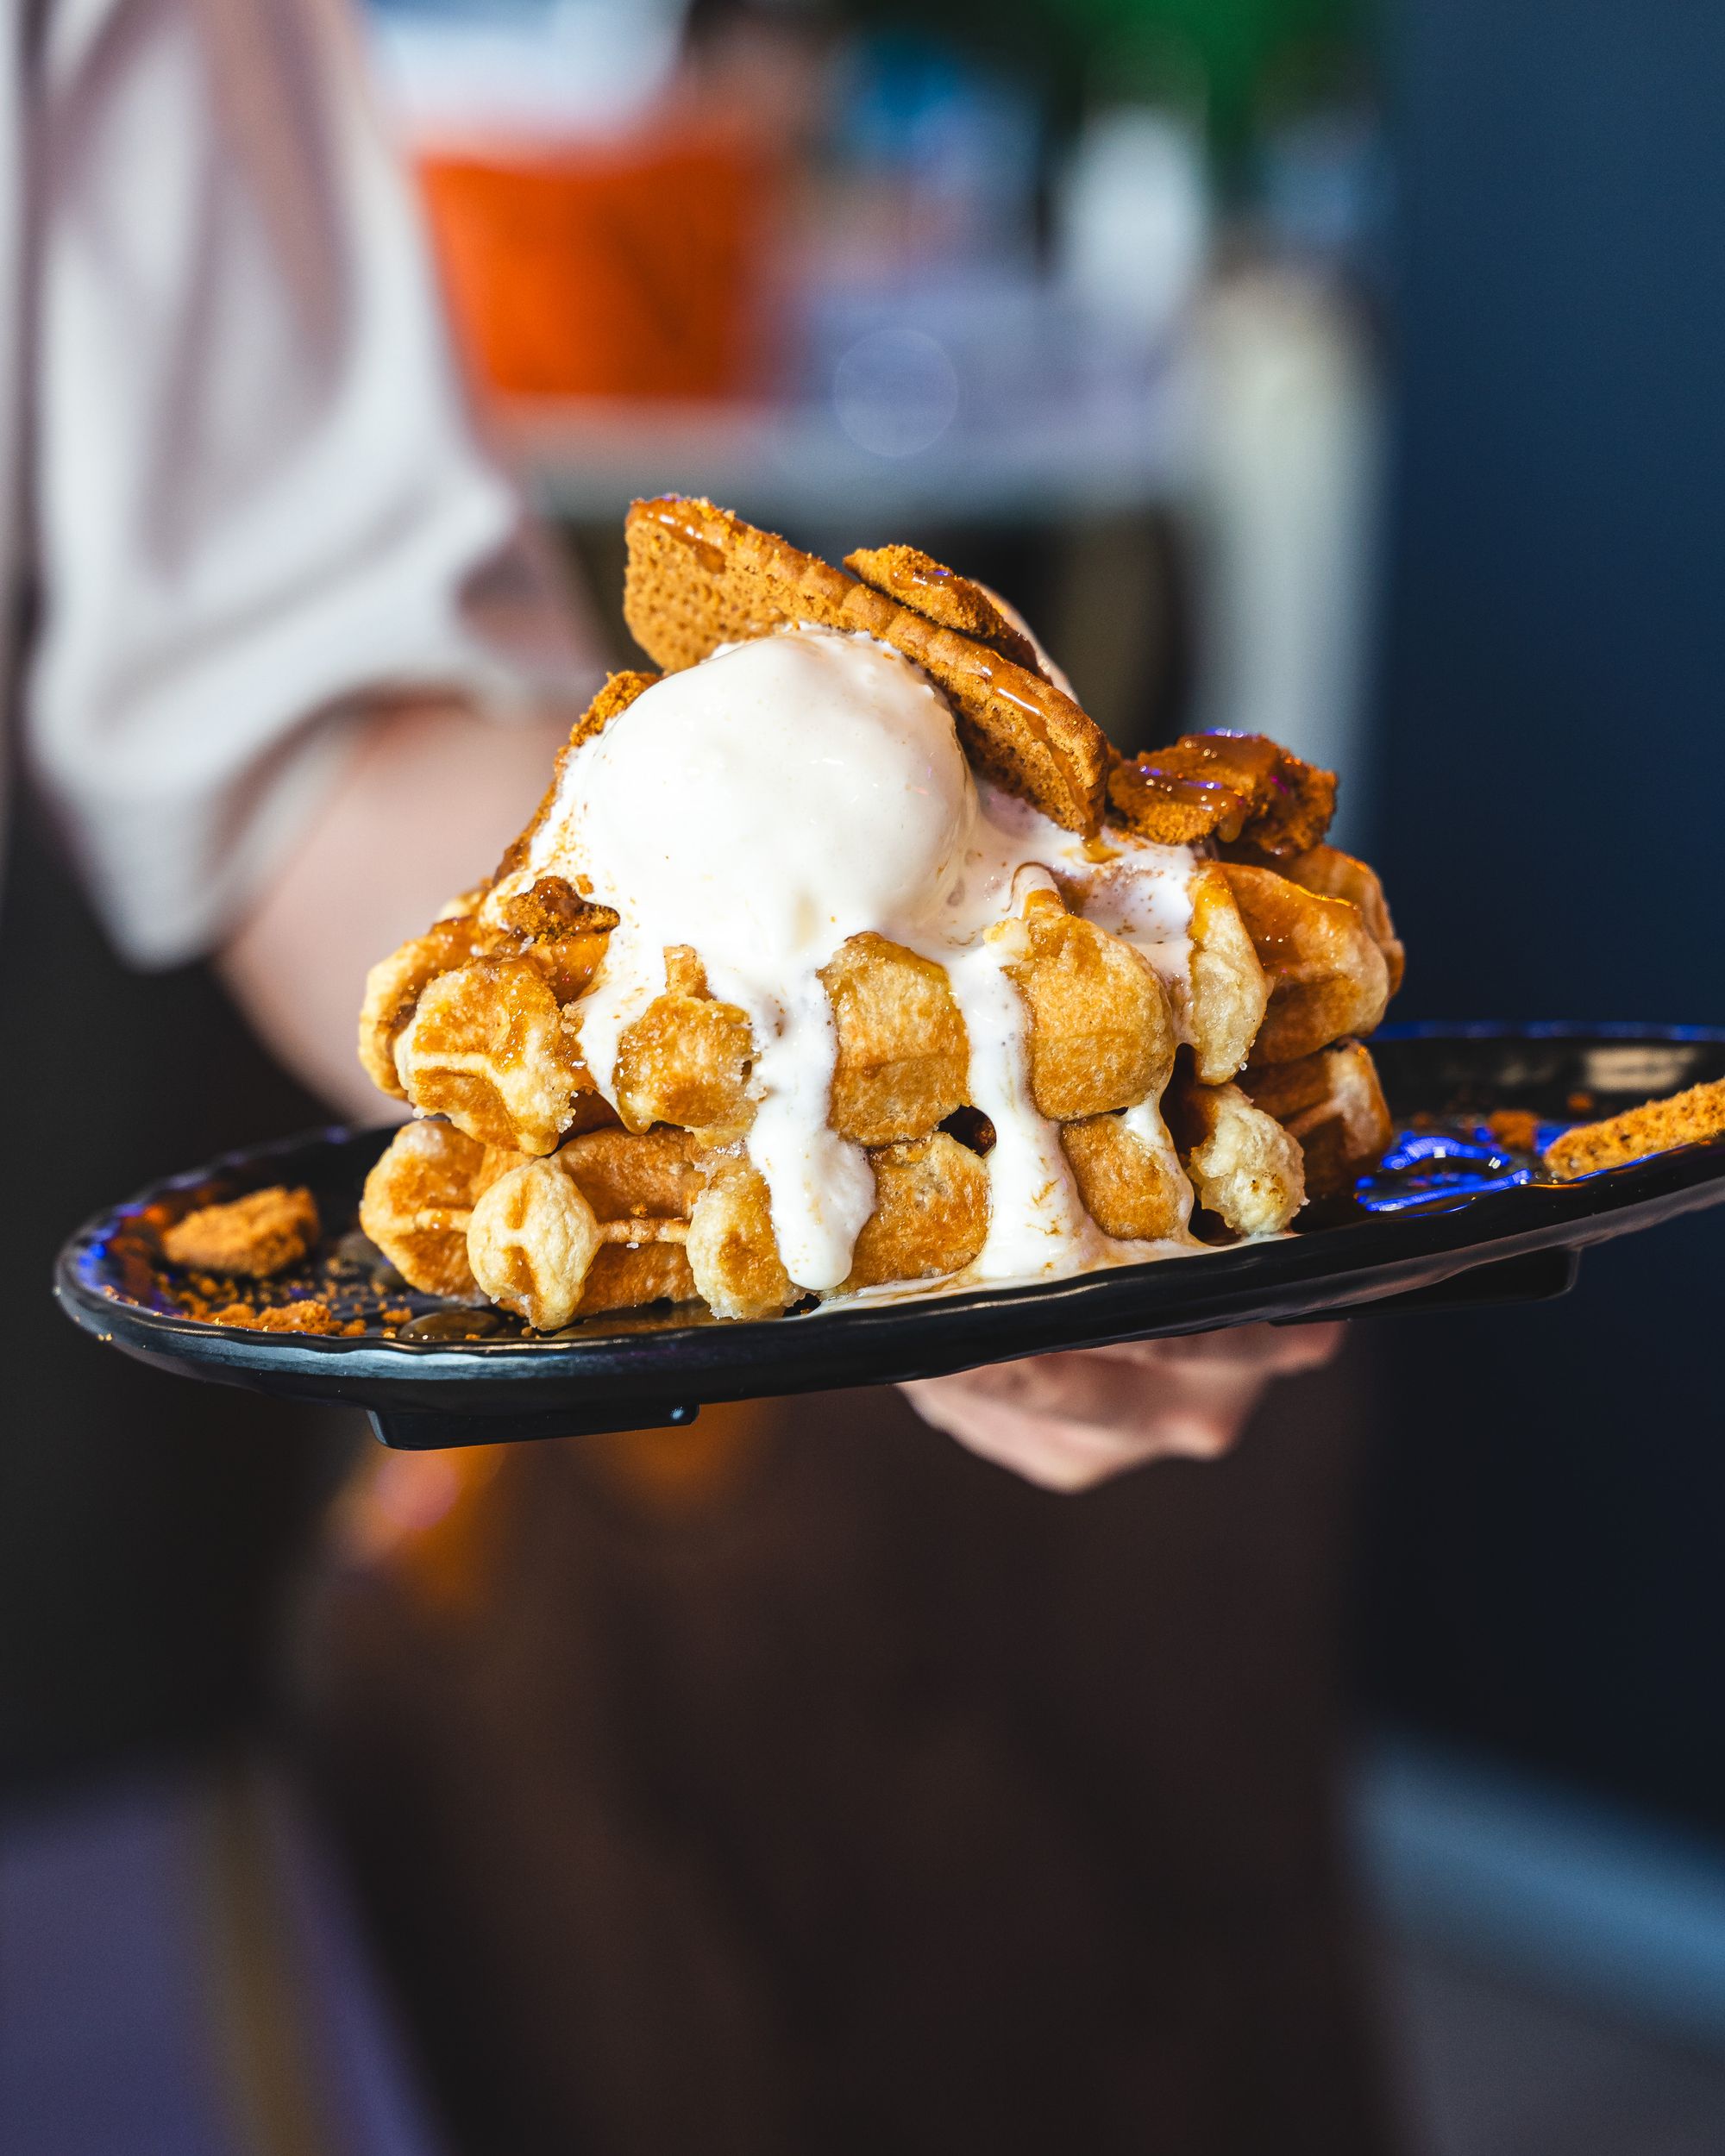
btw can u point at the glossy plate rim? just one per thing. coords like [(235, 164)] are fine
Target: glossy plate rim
[(1335, 1268)]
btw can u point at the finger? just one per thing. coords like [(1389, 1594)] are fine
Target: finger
[(1057, 1455), (1269, 1350)]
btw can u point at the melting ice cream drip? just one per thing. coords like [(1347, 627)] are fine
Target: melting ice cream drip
[(787, 794)]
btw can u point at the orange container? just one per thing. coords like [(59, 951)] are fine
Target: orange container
[(628, 270)]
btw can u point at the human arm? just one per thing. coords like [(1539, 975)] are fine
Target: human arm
[(431, 795), (265, 529)]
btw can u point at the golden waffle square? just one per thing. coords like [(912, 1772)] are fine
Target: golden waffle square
[(1331, 1102)]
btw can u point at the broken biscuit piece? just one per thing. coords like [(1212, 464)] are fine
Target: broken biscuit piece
[(551, 909), (1684, 1118), (917, 581), (1225, 787), (258, 1234)]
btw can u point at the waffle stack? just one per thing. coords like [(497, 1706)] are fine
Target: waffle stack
[(1218, 1087)]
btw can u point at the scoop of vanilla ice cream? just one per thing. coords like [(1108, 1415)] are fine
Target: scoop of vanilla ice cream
[(784, 795), (763, 806)]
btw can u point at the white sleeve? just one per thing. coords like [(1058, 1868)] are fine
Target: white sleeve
[(257, 493)]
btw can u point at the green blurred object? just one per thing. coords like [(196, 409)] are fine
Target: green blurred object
[(1238, 61)]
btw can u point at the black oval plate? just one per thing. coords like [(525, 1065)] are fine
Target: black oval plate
[(1449, 1201)]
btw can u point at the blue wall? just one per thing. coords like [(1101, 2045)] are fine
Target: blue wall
[(1548, 1542)]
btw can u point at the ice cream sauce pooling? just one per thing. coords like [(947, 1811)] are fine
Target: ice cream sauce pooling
[(786, 795)]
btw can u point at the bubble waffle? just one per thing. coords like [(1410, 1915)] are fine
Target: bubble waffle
[(419, 1197), (1100, 1032), (596, 1226), (844, 957), (1327, 976), (1245, 1168), (686, 1059), (733, 1253), (1227, 991), (1333, 1103), (1129, 1175), (901, 1054), (487, 1046), (1334, 874)]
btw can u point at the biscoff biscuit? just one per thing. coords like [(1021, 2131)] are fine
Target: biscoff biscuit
[(1225, 787), (917, 581), (1682, 1118), (699, 578), (262, 1233)]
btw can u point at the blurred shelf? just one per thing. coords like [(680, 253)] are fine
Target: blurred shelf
[(582, 461)]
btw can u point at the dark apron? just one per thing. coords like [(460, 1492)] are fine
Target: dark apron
[(843, 1793)]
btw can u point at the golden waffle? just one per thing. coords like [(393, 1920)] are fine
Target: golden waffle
[(1228, 992), (686, 1059), (419, 1198), (903, 1057), (699, 578), (598, 1226), (1332, 1103), (394, 985), (732, 1253), (1101, 1035), (1245, 1168), (1327, 977), (487, 1047), (931, 1213), (1132, 1189), (1334, 874)]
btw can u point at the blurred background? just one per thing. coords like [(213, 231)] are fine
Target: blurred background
[(1346, 372)]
